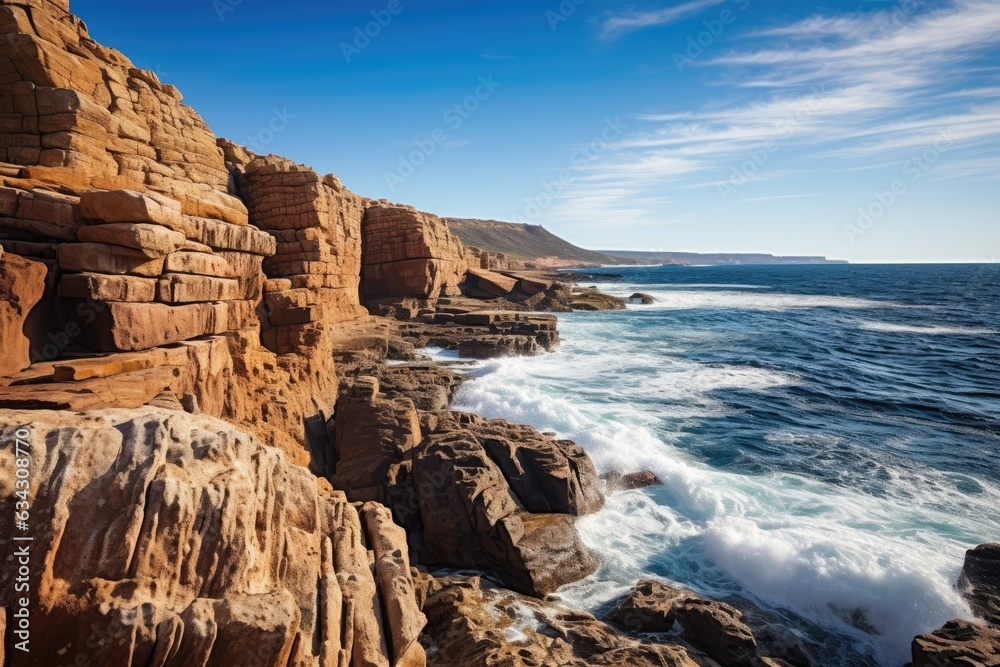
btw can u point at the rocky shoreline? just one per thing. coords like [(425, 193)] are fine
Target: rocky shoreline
[(222, 445)]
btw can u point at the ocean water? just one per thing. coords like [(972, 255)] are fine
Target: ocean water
[(828, 439)]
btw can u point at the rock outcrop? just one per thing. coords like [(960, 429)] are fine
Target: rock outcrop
[(958, 643), (475, 624), (406, 253), (979, 582), (714, 627), (164, 538), (314, 275), (79, 116)]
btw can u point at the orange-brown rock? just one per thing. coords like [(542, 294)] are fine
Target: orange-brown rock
[(110, 259), (141, 326), (470, 517), (473, 623), (199, 263), (107, 288), (178, 540), (151, 240), (407, 253), (22, 285), (81, 117), (185, 288)]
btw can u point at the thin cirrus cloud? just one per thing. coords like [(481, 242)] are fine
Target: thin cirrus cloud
[(849, 89), (614, 27)]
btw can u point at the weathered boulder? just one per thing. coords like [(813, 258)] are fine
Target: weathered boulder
[(715, 627), (178, 540), (22, 285), (979, 582), (470, 517), (475, 624), (958, 643)]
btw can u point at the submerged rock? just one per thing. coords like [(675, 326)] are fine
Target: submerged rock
[(617, 481), (640, 298)]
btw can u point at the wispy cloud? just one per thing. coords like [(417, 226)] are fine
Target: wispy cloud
[(615, 26), (496, 55), (850, 89)]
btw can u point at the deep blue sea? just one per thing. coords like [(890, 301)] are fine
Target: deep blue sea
[(828, 438)]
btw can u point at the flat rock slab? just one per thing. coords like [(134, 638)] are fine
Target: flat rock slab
[(129, 206), (198, 263), (103, 287), (130, 327), (184, 288), (150, 240), (111, 259)]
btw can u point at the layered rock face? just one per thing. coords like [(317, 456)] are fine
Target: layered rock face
[(162, 538), (79, 116), (316, 270), (409, 254)]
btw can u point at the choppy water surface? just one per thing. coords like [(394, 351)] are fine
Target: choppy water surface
[(827, 436)]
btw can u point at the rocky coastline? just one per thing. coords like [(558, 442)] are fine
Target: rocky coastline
[(221, 441)]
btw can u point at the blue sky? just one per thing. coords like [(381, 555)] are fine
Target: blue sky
[(861, 130)]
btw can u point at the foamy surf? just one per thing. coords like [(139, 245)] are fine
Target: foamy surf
[(785, 487), (927, 330)]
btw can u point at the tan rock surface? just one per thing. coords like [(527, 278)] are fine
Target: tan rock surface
[(178, 540), (151, 240), (474, 624), (107, 288)]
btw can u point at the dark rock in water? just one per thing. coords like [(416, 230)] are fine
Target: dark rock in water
[(616, 481), (472, 622), (593, 300), (714, 627), (639, 297), (958, 643), (979, 582)]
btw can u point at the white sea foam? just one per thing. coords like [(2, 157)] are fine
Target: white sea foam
[(820, 550), (928, 330)]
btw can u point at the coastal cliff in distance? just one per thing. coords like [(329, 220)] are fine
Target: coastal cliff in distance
[(533, 246)]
